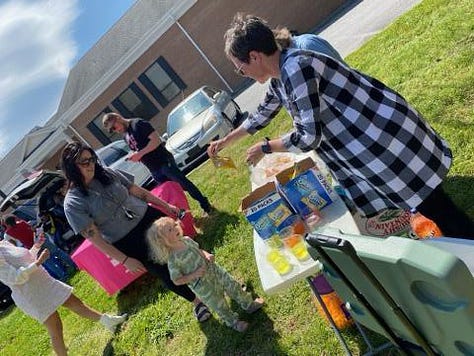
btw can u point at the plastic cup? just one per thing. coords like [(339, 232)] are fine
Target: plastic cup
[(297, 247), (278, 261)]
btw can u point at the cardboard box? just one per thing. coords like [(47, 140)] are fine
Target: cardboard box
[(266, 211), (304, 187)]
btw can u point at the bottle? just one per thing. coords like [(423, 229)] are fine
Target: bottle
[(423, 227)]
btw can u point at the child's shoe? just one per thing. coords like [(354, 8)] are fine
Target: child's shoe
[(240, 326), (201, 312), (256, 305), (110, 322)]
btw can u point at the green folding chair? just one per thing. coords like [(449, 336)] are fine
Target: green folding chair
[(417, 295)]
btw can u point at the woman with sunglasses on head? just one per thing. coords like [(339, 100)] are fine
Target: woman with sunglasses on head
[(113, 213)]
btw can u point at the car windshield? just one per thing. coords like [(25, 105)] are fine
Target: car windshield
[(112, 153), (188, 110)]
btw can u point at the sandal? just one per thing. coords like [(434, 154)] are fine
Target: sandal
[(240, 326), (201, 312), (256, 305)]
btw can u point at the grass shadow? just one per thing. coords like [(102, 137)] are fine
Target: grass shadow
[(461, 191), (259, 339), (213, 229), (138, 294)]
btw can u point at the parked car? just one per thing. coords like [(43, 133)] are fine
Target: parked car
[(35, 201), (114, 155), (30, 189), (205, 115)]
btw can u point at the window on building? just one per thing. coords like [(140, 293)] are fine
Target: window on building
[(134, 103), (162, 82), (95, 126)]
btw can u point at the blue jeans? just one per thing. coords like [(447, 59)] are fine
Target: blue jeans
[(170, 171)]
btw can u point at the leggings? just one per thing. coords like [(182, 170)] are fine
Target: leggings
[(452, 221), (134, 245)]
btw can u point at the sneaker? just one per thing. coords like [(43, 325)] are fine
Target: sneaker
[(256, 305), (240, 326), (110, 322), (201, 312)]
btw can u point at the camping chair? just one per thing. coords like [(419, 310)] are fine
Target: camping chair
[(418, 296)]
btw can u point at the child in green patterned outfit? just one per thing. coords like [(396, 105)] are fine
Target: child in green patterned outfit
[(190, 265)]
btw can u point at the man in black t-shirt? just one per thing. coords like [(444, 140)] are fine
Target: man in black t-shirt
[(148, 148)]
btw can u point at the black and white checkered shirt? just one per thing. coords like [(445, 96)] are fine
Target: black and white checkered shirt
[(377, 146)]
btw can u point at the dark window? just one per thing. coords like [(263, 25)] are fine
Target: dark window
[(95, 126), (162, 82), (134, 103)]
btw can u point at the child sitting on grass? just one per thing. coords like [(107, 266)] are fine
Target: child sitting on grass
[(190, 265)]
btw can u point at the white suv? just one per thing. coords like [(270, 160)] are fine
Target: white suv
[(205, 115)]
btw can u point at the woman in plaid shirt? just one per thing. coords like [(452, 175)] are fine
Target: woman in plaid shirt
[(377, 146)]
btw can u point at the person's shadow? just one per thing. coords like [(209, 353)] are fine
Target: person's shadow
[(223, 340), (461, 190), (213, 229)]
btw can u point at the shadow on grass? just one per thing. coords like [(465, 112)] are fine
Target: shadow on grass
[(140, 293), (259, 339), (213, 229), (461, 191)]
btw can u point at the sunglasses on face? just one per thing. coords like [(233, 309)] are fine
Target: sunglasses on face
[(240, 70), (87, 161)]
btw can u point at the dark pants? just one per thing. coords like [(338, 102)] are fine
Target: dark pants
[(171, 172), (452, 221), (134, 245)]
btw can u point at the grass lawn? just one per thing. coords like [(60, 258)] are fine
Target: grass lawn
[(427, 55)]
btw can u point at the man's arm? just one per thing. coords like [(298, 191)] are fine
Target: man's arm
[(255, 152), (153, 143), (266, 111), (233, 136)]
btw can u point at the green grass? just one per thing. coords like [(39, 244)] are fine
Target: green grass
[(427, 55)]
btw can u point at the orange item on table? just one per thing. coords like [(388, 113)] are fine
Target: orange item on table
[(423, 227)]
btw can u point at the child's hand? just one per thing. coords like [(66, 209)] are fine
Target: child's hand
[(210, 257), (201, 271), (40, 239), (44, 255)]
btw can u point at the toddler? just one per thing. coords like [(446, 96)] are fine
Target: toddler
[(190, 265)]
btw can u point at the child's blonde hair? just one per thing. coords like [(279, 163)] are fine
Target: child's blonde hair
[(159, 252)]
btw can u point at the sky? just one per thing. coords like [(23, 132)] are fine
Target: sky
[(40, 41)]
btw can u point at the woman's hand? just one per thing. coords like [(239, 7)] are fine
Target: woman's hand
[(133, 265), (44, 255), (174, 211)]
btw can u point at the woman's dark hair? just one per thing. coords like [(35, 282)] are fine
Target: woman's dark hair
[(249, 33), (69, 157), (10, 220)]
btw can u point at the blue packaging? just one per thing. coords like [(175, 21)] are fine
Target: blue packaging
[(266, 211)]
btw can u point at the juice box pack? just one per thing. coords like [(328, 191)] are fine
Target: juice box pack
[(266, 211), (304, 187)]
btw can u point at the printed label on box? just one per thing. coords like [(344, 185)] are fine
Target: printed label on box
[(269, 215)]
